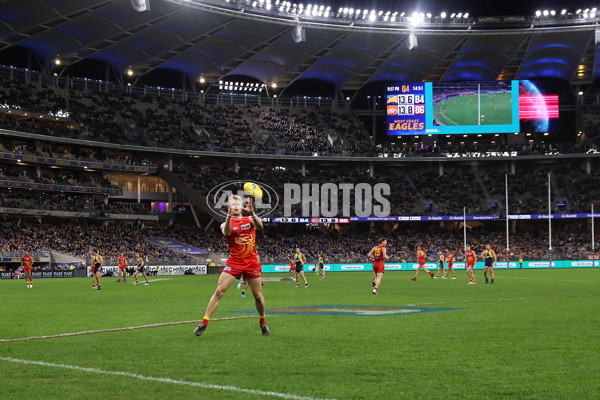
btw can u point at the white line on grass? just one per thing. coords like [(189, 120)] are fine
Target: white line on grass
[(163, 380), (154, 280), (129, 328)]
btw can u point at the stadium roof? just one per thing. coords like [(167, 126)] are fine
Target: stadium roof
[(202, 40)]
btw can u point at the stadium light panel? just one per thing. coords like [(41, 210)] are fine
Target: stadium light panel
[(459, 15), (380, 13), (578, 11), (401, 14), (428, 15), (563, 12), (372, 18), (443, 15), (538, 13), (386, 18), (545, 13), (552, 12), (452, 15), (466, 15)]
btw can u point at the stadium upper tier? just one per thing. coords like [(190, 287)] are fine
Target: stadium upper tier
[(212, 42), (163, 123)]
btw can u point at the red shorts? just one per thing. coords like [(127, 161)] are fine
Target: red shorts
[(27, 269), (121, 267), (470, 264), (421, 261), (249, 267), (378, 267), (292, 268)]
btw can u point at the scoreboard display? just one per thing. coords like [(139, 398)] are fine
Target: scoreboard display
[(406, 108), (452, 108)]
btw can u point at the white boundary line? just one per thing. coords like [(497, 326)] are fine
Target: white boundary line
[(130, 328), (162, 380)]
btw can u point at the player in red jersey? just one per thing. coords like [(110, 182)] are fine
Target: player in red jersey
[(292, 270), (122, 266), (450, 263), (378, 255), (421, 259), (471, 261), (27, 264), (243, 259)]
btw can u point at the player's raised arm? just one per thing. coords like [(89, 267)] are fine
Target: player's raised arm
[(253, 217)]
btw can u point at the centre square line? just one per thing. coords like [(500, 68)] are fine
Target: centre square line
[(129, 328)]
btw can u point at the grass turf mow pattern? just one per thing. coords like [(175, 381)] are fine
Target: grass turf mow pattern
[(532, 335)]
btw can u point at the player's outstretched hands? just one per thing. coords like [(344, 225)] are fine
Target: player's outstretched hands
[(249, 206)]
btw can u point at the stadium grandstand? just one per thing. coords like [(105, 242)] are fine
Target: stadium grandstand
[(104, 124)]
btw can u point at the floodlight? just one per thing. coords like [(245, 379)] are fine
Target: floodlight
[(428, 15), (545, 13), (563, 12), (466, 15), (372, 18), (443, 15)]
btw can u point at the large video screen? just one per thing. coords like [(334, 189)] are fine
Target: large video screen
[(468, 107)]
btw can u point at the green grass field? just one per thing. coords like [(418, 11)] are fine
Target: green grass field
[(534, 334), (462, 110)]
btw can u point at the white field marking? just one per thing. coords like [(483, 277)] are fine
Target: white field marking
[(495, 300), (162, 380), (543, 279), (130, 328), (153, 280)]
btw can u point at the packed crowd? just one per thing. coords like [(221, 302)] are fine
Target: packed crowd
[(9, 172), (71, 202), (423, 191), (167, 123), (276, 243)]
